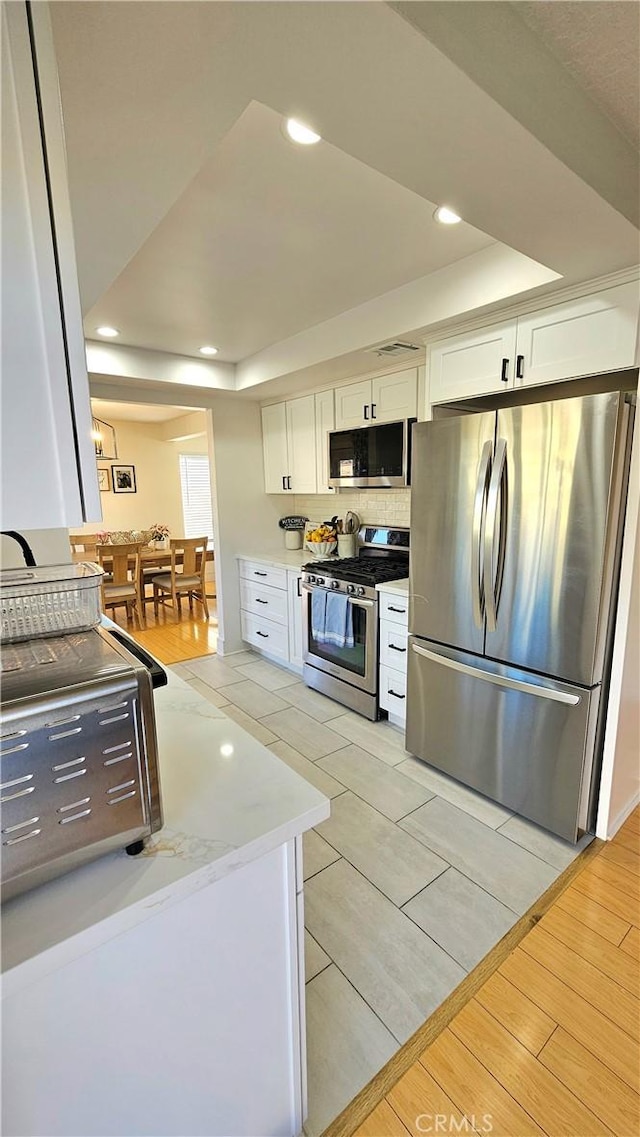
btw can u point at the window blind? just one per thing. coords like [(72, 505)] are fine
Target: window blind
[(196, 496)]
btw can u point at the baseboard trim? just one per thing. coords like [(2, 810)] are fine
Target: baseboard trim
[(622, 816), (372, 1094)]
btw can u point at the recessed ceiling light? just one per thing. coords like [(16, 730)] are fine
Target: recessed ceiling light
[(208, 350), (446, 216), (108, 332), (299, 133)]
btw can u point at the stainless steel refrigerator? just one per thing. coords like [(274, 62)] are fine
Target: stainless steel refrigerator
[(516, 519)]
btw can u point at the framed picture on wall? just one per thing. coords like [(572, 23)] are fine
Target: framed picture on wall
[(104, 481), (124, 479)]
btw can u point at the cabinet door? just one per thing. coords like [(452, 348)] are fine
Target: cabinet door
[(353, 405), (472, 363), (395, 396), (49, 467), (274, 448), (581, 337), (295, 619), (301, 444), (325, 421)]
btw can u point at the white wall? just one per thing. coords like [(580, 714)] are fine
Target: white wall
[(158, 495), (245, 518)]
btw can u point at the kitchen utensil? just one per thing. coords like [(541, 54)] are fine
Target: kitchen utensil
[(351, 522)]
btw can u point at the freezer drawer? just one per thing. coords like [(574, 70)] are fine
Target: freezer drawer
[(523, 740)]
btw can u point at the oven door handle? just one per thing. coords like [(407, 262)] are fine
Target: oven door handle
[(309, 588)]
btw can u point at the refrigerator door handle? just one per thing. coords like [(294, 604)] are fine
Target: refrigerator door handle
[(499, 680), (479, 516), (493, 565)]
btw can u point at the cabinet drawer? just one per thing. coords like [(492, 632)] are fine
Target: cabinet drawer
[(393, 692), (395, 608), (262, 600), (263, 574), (393, 646), (265, 634)]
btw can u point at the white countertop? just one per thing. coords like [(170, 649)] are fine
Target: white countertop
[(227, 801), (279, 558), (395, 586)]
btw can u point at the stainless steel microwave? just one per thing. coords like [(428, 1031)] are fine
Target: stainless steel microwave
[(377, 457)]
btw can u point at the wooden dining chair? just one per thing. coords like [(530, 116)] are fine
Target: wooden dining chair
[(186, 579), (123, 586), (84, 544)]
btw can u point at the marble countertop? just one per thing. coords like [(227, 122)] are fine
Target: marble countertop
[(395, 586), (227, 801), (279, 558)]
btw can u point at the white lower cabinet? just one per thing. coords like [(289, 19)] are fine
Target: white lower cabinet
[(271, 610), (393, 635), (295, 618)]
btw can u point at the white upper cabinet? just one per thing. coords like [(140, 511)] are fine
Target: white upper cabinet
[(274, 448), (385, 399), (473, 363), (289, 446), (564, 341), (301, 444), (353, 405), (394, 396), (582, 337), (48, 459), (325, 421)]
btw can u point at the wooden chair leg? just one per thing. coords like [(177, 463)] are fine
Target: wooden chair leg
[(203, 601), (156, 592)]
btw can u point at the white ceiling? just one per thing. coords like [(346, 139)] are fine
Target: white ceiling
[(196, 222), (107, 410), (599, 44), (270, 238)]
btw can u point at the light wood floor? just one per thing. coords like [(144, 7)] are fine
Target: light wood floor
[(549, 1043), (170, 641)]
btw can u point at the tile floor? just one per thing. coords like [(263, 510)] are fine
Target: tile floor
[(408, 884)]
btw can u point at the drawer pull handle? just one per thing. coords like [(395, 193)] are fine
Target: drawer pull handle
[(265, 635), (402, 611), (396, 695), (256, 573), (259, 601), (393, 647)]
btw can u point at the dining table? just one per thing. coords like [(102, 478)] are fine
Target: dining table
[(149, 558)]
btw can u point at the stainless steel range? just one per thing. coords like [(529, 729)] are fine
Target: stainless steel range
[(348, 672)]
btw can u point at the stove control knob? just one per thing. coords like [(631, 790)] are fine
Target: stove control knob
[(335, 583), (311, 579), (319, 580), (360, 592), (351, 589)]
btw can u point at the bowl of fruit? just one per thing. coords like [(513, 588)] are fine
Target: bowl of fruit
[(321, 540)]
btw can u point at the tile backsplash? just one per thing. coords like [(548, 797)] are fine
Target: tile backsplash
[(374, 507)]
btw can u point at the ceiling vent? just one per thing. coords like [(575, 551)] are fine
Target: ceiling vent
[(398, 347)]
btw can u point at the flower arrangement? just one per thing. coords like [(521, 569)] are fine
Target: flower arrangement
[(159, 532), (103, 537)]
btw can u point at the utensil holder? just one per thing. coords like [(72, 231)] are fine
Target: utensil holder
[(346, 545)]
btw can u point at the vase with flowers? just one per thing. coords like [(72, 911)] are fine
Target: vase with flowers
[(160, 536)]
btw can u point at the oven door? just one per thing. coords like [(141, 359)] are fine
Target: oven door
[(357, 665)]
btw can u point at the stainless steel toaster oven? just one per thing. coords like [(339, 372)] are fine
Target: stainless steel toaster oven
[(78, 753)]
